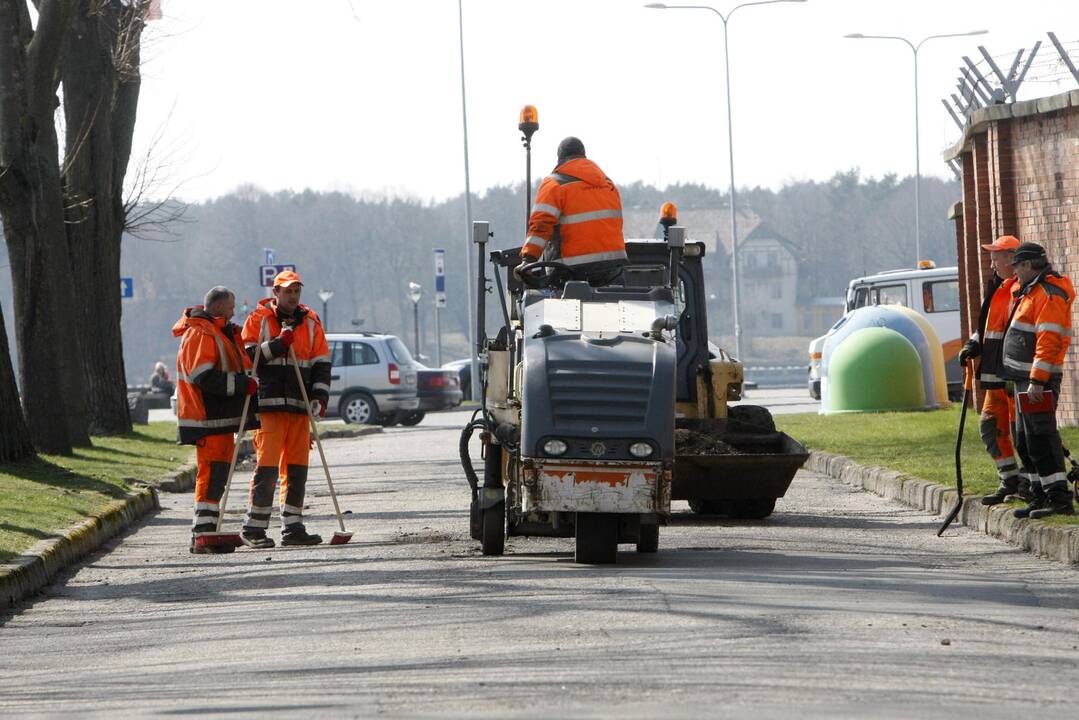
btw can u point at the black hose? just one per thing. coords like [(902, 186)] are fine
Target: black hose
[(466, 457)]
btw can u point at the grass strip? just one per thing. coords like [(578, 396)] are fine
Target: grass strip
[(42, 497), (921, 444)]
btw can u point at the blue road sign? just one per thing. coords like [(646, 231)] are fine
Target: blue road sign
[(268, 272), (127, 287)]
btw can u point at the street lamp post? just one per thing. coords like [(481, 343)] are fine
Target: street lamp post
[(917, 147), (415, 292), (730, 150), (324, 296), (468, 201)]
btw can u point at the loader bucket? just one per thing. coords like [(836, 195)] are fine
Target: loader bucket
[(750, 464)]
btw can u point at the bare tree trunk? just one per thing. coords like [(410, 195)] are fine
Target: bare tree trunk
[(14, 434), (32, 210), (101, 90)]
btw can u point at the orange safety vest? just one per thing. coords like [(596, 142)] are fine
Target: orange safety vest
[(210, 380), (992, 335), (577, 218), (278, 390), (1039, 330)]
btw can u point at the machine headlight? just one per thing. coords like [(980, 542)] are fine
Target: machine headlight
[(640, 449), (555, 447)]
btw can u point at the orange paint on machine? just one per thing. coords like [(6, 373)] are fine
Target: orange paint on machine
[(613, 478)]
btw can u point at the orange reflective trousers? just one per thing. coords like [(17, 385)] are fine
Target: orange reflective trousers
[(282, 445), (997, 420), (214, 453)]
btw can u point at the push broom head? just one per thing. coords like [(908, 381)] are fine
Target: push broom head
[(340, 538), (218, 538)]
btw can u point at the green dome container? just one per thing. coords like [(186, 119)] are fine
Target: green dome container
[(875, 369)]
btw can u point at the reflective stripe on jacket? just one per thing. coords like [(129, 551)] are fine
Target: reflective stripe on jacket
[(210, 380), (577, 217), (992, 335), (278, 390), (1039, 330)]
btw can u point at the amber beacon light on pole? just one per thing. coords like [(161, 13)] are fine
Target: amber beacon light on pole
[(528, 124)]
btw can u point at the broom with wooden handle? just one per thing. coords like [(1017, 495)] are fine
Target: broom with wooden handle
[(339, 537)]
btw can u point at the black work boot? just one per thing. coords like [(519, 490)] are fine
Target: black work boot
[(1058, 502), (256, 538), (296, 534), (1007, 487), (1039, 500)]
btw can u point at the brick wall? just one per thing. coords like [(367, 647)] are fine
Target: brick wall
[(1021, 177)]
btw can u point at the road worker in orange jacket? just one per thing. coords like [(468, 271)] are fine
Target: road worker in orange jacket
[(998, 409), (278, 328), (1035, 343), (211, 387), (577, 219)]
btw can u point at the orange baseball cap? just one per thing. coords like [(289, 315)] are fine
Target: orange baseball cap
[(286, 278), (1004, 242)]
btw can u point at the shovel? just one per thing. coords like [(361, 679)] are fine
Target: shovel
[(968, 382)]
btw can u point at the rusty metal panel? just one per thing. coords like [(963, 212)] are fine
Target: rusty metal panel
[(611, 487)]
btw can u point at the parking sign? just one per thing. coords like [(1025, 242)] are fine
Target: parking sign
[(268, 272)]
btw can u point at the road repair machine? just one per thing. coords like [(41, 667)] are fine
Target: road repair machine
[(602, 404)]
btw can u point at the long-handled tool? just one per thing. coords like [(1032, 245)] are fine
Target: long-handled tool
[(339, 537), (968, 383), (217, 537)]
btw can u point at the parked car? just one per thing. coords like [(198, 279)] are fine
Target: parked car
[(437, 389), (463, 368), (373, 380)]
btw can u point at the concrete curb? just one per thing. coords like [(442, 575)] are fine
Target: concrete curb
[(183, 480), (1049, 541), (30, 572)]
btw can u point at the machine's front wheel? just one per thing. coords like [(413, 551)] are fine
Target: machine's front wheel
[(649, 542), (597, 538), (494, 529)]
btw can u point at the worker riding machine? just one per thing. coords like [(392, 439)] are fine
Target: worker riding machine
[(601, 405)]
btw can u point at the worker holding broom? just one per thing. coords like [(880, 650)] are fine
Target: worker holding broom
[(211, 388), (291, 344)]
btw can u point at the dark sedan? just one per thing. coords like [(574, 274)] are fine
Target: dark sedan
[(437, 389)]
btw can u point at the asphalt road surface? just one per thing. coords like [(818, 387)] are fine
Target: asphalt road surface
[(840, 605)]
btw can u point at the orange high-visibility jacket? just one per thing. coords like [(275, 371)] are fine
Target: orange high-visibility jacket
[(577, 217), (1039, 331), (278, 390), (992, 335), (210, 380)]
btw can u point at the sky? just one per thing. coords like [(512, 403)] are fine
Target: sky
[(364, 96)]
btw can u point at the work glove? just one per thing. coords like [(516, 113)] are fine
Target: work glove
[(252, 386), (525, 259), (318, 408), (971, 349), (286, 337)]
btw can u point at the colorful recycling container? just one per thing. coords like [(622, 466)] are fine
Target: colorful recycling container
[(908, 324), (874, 369)]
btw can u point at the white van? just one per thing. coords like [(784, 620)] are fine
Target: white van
[(931, 291)]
